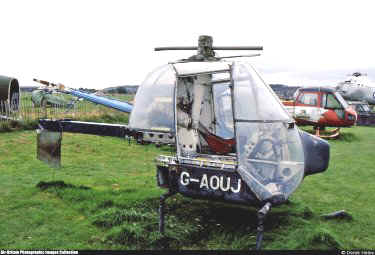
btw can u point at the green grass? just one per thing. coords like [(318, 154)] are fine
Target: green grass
[(105, 197)]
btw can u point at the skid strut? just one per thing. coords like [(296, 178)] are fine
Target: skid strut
[(262, 213), (329, 134), (161, 209)]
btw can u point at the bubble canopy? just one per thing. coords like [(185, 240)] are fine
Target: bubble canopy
[(153, 109), (269, 152), (154, 106), (269, 149)]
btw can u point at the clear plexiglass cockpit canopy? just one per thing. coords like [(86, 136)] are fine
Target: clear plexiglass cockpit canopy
[(268, 149)]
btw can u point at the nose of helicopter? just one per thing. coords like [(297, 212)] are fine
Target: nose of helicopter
[(316, 152), (351, 116)]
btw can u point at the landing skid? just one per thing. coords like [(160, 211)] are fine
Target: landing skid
[(332, 134), (262, 213)]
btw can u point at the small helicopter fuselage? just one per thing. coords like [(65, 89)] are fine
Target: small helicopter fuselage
[(234, 139), (321, 107)]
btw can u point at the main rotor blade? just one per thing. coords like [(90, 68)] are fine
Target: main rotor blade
[(237, 48), (47, 83), (175, 48), (214, 48), (241, 56)]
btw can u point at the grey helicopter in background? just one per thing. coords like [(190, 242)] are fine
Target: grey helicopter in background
[(357, 87), (359, 92)]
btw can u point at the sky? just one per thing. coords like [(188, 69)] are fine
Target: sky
[(97, 44)]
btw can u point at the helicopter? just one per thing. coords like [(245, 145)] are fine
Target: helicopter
[(321, 107), (47, 95), (357, 88), (109, 102), (234, 140)]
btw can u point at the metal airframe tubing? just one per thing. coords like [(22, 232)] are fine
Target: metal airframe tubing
[(231, 86), (201, 73), (262, 121), (220, 81), (175, 112), (161, 209), (213, 105), (262, 213)]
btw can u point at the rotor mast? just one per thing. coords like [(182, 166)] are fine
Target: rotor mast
[(205, 50)]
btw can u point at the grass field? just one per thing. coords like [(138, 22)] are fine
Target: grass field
[(105, 197)]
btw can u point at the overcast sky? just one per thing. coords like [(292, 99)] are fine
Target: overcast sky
[(97, 44)]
